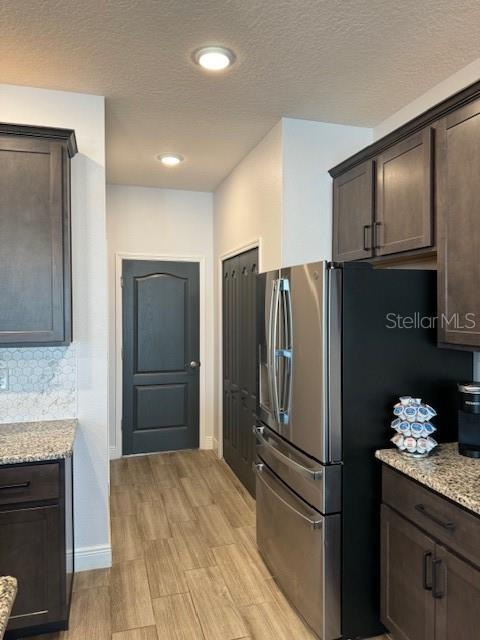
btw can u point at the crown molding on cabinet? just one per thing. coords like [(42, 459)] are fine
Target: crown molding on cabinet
[(67, 135), (426, 118)]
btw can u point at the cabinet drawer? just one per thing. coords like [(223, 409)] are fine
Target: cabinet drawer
[(446, 522), (28, 483)]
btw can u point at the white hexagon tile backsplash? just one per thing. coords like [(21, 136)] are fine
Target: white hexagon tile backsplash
[(42, 383)]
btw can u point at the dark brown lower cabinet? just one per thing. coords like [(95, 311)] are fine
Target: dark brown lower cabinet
[(428, 592), (457, 615), (29, 551), (36, 544), (407, 606)]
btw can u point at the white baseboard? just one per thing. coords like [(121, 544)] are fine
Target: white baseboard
[(215, 444), (97, 557), (207, 442), (115, 453)]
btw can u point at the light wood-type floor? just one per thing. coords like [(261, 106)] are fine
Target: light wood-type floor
[(185, 564)]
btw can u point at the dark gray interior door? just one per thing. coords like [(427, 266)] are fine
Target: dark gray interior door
[(240, 376), (160, 356)]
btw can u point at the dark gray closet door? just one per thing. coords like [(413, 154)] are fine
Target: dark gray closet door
[(160, 356), (240, 380)]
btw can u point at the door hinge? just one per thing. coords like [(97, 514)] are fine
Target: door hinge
[(122, 281), (121, 353)]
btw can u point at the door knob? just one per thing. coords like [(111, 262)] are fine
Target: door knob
[(194, 364)]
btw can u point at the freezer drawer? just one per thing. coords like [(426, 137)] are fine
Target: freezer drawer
[(319, 485), (302, 550)]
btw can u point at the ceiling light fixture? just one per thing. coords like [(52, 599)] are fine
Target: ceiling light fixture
[(214, 58), (170, 159)]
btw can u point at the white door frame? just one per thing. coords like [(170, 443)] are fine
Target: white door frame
[(253, 244), (205, 441)]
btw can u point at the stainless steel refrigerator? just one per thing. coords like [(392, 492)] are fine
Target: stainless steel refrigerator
[(333, 358)]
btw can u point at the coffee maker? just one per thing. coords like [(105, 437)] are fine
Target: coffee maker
[(469, 419)]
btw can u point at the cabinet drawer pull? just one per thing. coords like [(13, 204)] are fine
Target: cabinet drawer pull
[(427, 557), (436, 592), (449, 526), (366, 244), (20, 485)]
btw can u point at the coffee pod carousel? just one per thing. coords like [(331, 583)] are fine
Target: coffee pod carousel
[(413, 427)]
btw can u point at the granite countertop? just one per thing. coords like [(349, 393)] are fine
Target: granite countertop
[(36, 441), (446, 472), (8, 591)]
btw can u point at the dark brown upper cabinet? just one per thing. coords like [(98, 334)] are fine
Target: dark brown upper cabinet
[(353, 213), (35, 260), (458, 206), (404, 203)]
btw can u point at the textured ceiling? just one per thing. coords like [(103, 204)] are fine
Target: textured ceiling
[(345, 61)]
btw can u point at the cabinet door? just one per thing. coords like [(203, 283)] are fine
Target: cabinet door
[(406, 603), (404, 215), (353, 213), (34, 242), (458, 203), (29, 550), (456, 591)]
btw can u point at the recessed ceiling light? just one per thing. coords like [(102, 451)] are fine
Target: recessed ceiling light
[(214, 58), (170, 159)]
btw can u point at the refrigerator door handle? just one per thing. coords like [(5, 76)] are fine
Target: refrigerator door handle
[(288, 353), (283, 354), (272, 348), (315, 473)]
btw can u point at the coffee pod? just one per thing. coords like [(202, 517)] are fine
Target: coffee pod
[(422, 445), (404, 428), (405, 400), (428, 429), (398, 440), (410, 413), (396, 424), (431, 411), (423, 414), (417, 429), (398, 411), (431, 444), (410, 444)]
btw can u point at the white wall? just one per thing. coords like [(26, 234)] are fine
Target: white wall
[(85, 114), (456, 82), (248, 203), (280, 195), (310, 149), (247, 209), (161, 222)]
